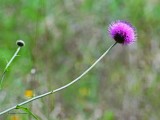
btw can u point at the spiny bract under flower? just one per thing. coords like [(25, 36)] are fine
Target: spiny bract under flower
[(122, 32)]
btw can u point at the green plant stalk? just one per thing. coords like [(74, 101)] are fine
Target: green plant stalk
[(27, 111), (63, 87), (8, 64)]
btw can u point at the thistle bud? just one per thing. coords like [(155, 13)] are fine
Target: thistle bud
[(20, 43)]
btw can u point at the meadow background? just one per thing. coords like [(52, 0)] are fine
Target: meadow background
[(63, 38)]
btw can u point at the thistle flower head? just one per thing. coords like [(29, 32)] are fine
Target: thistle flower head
[(122, 32)]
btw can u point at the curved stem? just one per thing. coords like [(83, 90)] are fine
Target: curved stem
[(8, 64), (63, 87)]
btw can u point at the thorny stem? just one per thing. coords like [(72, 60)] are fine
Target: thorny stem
[(8, 64), (61, 88)]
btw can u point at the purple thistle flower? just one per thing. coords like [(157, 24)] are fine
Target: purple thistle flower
[(122, 32)]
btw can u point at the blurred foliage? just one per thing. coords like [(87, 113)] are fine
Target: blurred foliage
[(108, 115), (63, 38)]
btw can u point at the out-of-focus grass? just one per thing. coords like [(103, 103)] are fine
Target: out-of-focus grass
[(63, 38)]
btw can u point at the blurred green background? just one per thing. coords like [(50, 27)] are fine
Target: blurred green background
[(63, 38)]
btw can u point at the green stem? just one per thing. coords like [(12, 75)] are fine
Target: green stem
[(63, 87), (8, 64)]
